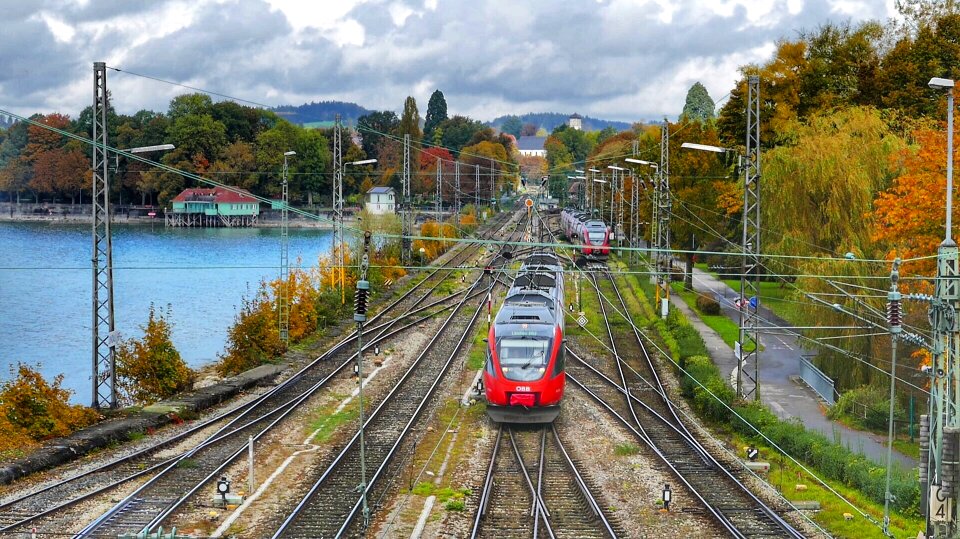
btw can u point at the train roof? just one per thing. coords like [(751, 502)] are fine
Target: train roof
[(535, 280), (595, 223), (525, 313), (545, 259)]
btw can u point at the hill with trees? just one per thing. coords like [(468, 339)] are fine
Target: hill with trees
[(323, 111), (550, 121)]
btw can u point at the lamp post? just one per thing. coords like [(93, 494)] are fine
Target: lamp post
[(593, 200), (283, 298), (617, 188), (742, 310), (104, 331), (943, 419), (343, 274), (636, 214)]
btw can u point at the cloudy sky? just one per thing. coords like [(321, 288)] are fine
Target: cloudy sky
[(617, 59)]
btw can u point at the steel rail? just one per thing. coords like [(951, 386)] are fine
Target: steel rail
[(290, 405)]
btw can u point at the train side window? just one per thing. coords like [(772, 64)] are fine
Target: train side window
[(561, 360), (489, 366)]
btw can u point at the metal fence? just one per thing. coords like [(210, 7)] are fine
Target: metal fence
[(818, 381)]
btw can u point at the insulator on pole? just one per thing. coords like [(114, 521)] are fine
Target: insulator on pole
[(924, 446)]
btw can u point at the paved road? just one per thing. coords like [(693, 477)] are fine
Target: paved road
[(780, 386)]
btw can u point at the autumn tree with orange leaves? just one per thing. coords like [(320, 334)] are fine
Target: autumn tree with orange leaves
[(909, 216)]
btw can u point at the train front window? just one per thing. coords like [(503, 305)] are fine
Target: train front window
[(597, 238), (524, 359)]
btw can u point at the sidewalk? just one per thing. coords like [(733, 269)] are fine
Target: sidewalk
[(781, 388)]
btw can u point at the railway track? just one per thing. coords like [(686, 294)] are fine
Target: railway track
[(167, 477), (334, 505), (534, 489), (635, 391), (634, 394)]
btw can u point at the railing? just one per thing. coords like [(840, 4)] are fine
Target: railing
[(818, 381)]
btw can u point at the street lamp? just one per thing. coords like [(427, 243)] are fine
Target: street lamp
[(947, 85), (942, 400), (139, 149), (343, 276)]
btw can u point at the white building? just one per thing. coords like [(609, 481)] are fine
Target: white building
[(380, 200), (532, 146), (575, 122)]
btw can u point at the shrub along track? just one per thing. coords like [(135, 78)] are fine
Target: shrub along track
[(635, 394), (533, 488), (53, 501), (333, 506)]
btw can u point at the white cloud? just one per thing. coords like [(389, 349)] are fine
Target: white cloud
[(625, 59)]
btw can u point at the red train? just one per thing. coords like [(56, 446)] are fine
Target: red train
[(592, 235), (524, 374)]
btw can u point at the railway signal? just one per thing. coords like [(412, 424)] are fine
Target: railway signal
[(667, 497), (752, 453)]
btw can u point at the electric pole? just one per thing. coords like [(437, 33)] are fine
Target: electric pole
[(338, 246), (476, 194), (406, 213), (940, 430), (661, 219), (750, 261), (440, 197), (284, 296), (104, 330), (360, 316), (456, 195)]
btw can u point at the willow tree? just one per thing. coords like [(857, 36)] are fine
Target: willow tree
[(818, 189)]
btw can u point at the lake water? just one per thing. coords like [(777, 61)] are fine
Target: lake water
[(46, 276)]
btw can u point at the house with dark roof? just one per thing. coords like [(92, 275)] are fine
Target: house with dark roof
[(532, 146), (380, 200), (218, 206), (575, 122)]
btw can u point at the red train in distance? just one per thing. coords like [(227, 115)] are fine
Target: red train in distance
[(592, 235), (524, 374)]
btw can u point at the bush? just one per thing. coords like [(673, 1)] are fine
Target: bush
[(31, 409), (867, 405), (254, 339), (830, 459), (708, 305), (151, 369)]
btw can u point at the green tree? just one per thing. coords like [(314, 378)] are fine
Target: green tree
[(699, 105), (410, 120), (195, 104), (312, 162), (373, 127), (236, 166), (242, 123), (270, 147), (198, 135), (512, 125), (458, 132), (436, 114), (150, 369)]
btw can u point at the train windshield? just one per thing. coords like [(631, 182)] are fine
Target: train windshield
[(597, 238), (523, 359)]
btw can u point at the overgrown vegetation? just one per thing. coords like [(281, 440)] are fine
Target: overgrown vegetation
[(32, 410), (150, 368), (702, 383)]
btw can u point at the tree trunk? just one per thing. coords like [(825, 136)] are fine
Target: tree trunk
[(310, 198), (688, 274)]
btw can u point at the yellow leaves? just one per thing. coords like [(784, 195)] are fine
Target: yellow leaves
[(151, 369), (32, 409)]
